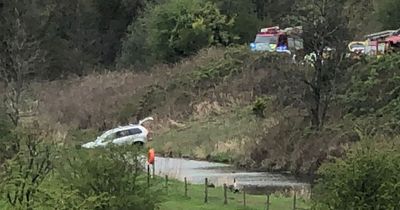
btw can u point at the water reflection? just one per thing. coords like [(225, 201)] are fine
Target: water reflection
[(218, 174)]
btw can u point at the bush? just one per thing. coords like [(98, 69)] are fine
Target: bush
[(368, 178), (109, 178), (260, 105), (23, 175)]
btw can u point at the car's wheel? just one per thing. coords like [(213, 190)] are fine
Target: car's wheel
[(138, 143)]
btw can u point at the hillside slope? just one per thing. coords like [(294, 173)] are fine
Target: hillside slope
[(229, 105)]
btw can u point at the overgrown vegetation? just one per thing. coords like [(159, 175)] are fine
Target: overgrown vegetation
[(367, 178), (41, 176)]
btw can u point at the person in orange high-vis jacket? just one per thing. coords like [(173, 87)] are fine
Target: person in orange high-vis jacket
[(151, 156)]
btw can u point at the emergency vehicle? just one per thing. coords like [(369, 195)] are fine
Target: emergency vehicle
[(274, 39)]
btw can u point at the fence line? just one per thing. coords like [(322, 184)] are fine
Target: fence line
[(225, 194)]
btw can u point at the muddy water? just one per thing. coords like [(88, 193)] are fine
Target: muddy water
[(218, 174)]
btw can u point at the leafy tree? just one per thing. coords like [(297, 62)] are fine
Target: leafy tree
[(388, 13), (272, 12), (246, 23), (179, 28), (135, 49), (368, 178)]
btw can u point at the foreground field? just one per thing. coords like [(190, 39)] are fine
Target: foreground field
[(195, 200)]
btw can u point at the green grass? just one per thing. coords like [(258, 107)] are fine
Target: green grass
[(2, 204), (175, 200)]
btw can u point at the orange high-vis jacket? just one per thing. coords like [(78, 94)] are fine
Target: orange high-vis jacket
[(151, 156)]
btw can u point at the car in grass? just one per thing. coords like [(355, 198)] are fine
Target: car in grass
[(130, 134)]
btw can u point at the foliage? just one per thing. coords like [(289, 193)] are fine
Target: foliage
[(232, 64), (176, 29), (76, 34), (366, 179), (135, 48), (23, 175), (374, 92), (246, 22), (79, 136), (7, 148), (388, 15), (259, 106), (109, 178)]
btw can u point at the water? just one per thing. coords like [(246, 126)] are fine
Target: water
[(219, 174)]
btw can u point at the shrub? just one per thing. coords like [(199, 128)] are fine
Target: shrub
[(368, 178), (108, 178), (259, 106), (23, 174)]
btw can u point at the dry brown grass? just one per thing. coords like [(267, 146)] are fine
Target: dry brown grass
[(96, 100)]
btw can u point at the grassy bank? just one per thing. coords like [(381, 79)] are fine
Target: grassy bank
[(195, 200), (222, 138)]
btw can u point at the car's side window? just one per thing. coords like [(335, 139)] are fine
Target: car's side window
[(135, 131), (121, 134)]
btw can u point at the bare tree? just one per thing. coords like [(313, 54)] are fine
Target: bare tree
[(325, 35), (20, 53)]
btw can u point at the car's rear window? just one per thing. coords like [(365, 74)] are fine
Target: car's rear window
[(135, 131)]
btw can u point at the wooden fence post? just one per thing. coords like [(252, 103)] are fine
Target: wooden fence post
[(166, 183), (206, 191), (267, 206), (294, 201), (154, 169), (225, 195), (148, 175), (244, 197), (186, 189)]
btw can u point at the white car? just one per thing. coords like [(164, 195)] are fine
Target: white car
[(130, 134)]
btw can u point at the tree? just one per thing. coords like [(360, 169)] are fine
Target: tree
[(368, 178), (177, 29), (20, 54), (325, 34), (388, 14), (23, 175), (273, 11), (246, 23)]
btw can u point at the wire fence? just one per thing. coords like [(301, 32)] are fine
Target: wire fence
[(209, 188)]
